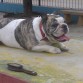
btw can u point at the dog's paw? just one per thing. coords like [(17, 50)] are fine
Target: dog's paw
[(64, 49), (55, 50)]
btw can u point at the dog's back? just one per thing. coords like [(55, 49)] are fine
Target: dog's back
[(18, 33), (5, 21), (7, 29)]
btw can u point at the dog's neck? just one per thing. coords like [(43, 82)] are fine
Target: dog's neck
[(42, 31), (38, 29)]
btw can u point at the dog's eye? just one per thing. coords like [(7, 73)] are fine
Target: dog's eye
[(64, 21), (54, 24), (54, 20)]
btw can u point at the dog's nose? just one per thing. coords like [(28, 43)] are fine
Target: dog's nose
[(65, 28)]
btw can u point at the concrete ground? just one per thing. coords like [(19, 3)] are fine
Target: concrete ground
[(66, 67)]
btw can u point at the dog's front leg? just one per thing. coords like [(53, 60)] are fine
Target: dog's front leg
[(46, 48), (63, 47)]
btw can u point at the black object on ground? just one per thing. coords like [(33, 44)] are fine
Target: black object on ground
[(19, 68)]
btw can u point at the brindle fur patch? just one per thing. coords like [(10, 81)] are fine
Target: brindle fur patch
[(24, 34), (4, 22)]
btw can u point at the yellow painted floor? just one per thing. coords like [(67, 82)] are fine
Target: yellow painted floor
[(51, 68)]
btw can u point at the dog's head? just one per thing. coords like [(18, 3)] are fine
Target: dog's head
[(56, 27)]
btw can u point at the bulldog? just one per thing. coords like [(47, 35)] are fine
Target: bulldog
[(42, 33)]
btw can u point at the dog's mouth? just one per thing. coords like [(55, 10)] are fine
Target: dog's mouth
[(62, 38)]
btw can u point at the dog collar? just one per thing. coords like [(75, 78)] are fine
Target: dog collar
[(39, 29), (42, 32)]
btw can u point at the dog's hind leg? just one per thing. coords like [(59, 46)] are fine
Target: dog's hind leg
[(46, 48)]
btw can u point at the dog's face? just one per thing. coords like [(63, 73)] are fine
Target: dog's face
[(57, 28)]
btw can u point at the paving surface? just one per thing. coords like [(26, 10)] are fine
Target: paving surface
[(66, 67)]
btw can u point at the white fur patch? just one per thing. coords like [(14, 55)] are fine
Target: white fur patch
[(60, 19), (7, 33), (36, 28)]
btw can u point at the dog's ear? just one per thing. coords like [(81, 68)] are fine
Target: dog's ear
[(56, 12)]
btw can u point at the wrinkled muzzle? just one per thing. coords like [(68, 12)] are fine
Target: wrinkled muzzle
[(60, 33)]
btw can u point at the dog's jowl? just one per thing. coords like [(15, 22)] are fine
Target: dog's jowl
[(37, 34)]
